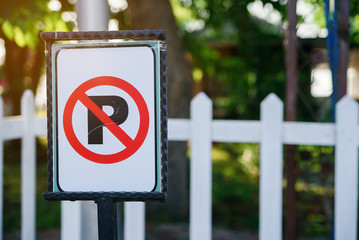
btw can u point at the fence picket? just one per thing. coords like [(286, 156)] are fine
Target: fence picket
[(134, 221), (88, 224), (271, 167), (201, 169), (28, 168), (71, 220), (1, 165), (271, 132), (346, 169)]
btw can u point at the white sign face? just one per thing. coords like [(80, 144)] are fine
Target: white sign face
[(106, 101)]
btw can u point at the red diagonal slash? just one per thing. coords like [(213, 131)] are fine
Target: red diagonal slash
[(131, 145), (106, 120)]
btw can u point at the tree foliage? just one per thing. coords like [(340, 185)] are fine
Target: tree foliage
[(238, 58), (238, 54), (21, 22)]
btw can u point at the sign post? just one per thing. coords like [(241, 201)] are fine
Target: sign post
[(107, 119)]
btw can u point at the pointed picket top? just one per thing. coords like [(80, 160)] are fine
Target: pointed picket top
[(27, 96), (346, 102), (347, 111), (27, 103), (201, 108), (272, 100), (1, 107), (201, 99), (272, 107)]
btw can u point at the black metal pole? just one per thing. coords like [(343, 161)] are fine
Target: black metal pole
[(106, 211), (119, 223)]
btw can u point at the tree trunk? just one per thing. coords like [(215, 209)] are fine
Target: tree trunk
[(157, 14), (14, 73), (291, 115), (23, 68)]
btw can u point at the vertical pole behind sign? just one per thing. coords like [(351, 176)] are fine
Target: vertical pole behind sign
[(291, 115), (92, 15), (343, 42)]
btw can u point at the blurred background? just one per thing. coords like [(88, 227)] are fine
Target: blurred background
[(235, 52)]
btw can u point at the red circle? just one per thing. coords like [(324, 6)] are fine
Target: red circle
[(130, 148)]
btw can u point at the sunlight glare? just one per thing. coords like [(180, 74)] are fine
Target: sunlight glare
[(54, 5), (321, 82), (113, 25), (117, 5), (266, 12)]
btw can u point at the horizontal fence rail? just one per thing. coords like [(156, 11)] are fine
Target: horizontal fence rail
[(271, 132), (241, 131)]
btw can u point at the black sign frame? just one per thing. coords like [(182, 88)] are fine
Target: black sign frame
[(158, 35)]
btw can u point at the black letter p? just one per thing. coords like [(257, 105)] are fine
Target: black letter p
[(95, 126)]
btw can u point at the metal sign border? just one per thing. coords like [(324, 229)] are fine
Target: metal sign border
[(160, 35)]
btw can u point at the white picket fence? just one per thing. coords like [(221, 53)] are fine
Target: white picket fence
[(201, 130)]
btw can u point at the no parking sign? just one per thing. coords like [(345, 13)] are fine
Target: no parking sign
[(98, 120), (107, 113)]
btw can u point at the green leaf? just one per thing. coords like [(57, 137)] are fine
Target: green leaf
[(8, 30), (19, 37), (31, 40), (61, 26)]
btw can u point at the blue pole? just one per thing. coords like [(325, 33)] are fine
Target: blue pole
[(331, 18), (332, 49)]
